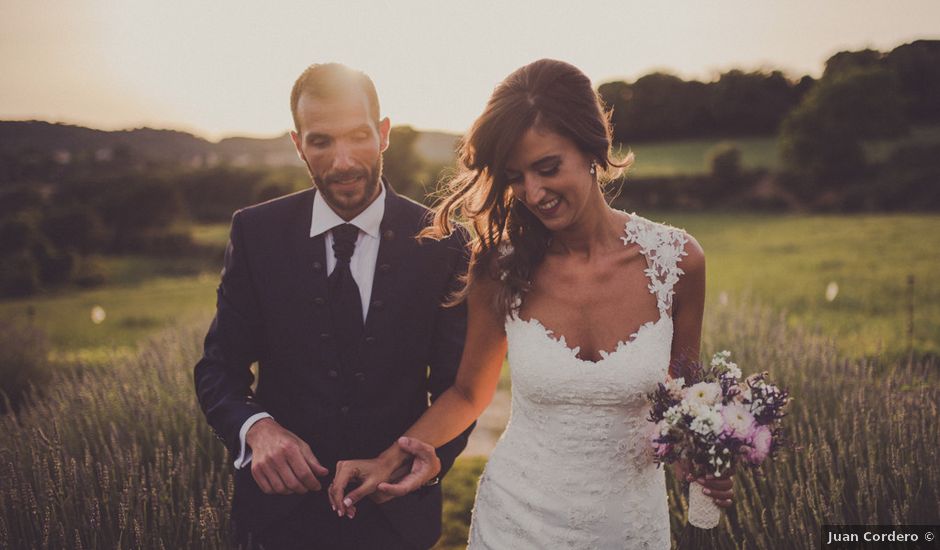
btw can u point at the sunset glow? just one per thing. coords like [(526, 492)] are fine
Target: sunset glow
[(226, 68)]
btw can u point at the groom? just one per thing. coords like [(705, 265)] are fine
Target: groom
[(329, 291)]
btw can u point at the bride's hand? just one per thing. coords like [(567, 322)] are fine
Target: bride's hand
[(721, 489), (374, 475), (368, 473)]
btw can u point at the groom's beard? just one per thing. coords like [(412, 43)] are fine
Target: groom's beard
[(347, 197)]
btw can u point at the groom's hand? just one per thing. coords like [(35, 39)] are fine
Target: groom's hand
[(380, 496), (281, 462), (424, 468)]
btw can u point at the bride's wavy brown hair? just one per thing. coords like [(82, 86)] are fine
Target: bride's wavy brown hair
[(548, 94)]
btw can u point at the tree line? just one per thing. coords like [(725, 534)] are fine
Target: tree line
[(845, 139), (661, 106)]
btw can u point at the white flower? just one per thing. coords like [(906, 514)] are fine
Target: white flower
[(746, 393), (672, 415), (707, 422), (720, 358), (691, 409), (705, 393), (757, 407), (734, 371), (664, 427), (674, 387)]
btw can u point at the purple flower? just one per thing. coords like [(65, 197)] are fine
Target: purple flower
[(661, 449)]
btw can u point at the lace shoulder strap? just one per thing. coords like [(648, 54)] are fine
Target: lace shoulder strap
[(663, 246)]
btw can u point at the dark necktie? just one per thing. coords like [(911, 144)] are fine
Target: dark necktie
[(345, 302)]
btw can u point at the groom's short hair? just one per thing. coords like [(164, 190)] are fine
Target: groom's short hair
[(329, 81)]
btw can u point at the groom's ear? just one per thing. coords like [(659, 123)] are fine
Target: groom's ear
[(295, 137), (385, 126)]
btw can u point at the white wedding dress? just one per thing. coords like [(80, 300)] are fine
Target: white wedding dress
[(574, 467)]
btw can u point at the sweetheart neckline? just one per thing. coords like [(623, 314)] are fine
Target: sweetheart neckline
[(605, 355), (656, 287)]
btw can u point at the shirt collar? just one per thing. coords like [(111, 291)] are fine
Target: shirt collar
[(368, 221)]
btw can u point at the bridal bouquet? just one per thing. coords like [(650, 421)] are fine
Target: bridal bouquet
[(716, 421)]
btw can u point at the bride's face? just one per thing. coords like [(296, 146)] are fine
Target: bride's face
[(551, 177)]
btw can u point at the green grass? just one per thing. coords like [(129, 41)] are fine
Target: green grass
[(141, 295), (214, 234), (689, 156), (684, 157), (879, 150), (132, 312), (787, 262)]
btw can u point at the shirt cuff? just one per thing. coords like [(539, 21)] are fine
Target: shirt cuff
[(244, 457)]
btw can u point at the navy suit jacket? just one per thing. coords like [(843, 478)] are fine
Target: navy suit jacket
[(273, 309)]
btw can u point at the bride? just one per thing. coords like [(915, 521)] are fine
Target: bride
[(595, 307)]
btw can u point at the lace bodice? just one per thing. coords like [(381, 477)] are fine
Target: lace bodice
[(574, 467)]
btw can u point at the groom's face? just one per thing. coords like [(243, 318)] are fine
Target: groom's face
[(341, 142)]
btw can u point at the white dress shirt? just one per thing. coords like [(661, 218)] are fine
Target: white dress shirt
[(361, 264)]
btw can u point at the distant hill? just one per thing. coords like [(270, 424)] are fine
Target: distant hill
[(65, 142), (38, 136)]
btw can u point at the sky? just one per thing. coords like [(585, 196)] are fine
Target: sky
[(219, 69)]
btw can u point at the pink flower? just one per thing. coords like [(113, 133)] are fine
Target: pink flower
[(760, 445), (739, 423), (656, 431)]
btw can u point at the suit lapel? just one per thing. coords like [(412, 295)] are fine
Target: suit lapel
[(396, 236)]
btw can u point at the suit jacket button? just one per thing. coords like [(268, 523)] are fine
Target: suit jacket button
[(385, 268), (377, 304), (332, 373), (370, 339), (319, 301), (389, 234), (317, 266), (344, 409), (325, 336), (361, 376)]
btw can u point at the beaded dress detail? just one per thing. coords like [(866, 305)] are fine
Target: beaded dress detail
[(574, 468)]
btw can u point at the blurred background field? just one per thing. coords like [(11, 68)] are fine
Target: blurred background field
[(785, 261)]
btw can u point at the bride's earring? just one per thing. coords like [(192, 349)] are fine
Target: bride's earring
[(593, 168)]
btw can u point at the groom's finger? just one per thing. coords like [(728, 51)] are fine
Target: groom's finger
[(304, 474), (416, 447), (425, 466), (426, 462), (262, 480), (284, 470), (274, 478), (311, 459), (421, 472), (402, 487)]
